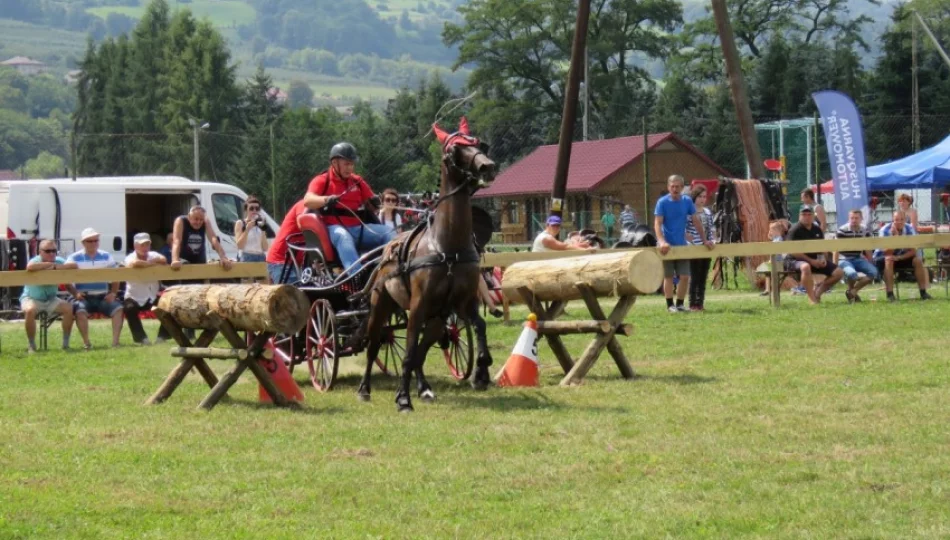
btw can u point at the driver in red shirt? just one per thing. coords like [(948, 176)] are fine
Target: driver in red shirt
[(338, 193)]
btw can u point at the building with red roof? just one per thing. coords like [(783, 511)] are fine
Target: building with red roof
[(604, 175)]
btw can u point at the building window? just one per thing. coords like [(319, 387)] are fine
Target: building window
[(512, 209)]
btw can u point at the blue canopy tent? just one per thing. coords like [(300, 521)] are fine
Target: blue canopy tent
[(926, 169)]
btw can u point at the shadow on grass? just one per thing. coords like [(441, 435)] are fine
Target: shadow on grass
[(309, 406), (683, 380)]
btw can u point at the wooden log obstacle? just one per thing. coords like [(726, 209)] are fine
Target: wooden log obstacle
[(546, 287), (259, 310)]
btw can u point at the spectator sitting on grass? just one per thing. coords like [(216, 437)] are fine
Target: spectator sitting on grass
[(854, 263), (811, 263), (890, 260), (38, 299)]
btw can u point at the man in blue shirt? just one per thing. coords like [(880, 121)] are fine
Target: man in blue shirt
[(890, 260), (95, 297), (671, 213), (42, 298)]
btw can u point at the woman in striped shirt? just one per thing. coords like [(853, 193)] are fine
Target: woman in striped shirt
[(699, 268)]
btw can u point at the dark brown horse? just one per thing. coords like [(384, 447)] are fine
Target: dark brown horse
[(434, 272)]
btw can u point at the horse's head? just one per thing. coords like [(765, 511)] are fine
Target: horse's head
[(466, 155)]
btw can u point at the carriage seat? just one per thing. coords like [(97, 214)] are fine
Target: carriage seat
[(316, 236)]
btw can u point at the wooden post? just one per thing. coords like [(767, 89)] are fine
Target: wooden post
[(607, 340), (216, 353), (221, 389), (171, 382), (559, 328), (774, 282)]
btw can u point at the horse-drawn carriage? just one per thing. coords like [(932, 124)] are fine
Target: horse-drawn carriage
[(339, 309)]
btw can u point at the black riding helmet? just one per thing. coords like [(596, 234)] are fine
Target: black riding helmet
[(343, 150)]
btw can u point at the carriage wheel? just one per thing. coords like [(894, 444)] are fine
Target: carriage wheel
[(323, 350), (458, 347), (284, 349), (392, 349)]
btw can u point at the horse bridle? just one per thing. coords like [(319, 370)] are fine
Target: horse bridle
[(471, 179)]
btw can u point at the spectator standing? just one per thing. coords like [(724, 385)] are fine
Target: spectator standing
[(141, 295), (890, 260), (671, 214), (808, 199), (547, 239), (811, 263), (389, 216), (95, 297), (608, 220), (627, 217), (166, 250), (905, 204), (188, 243), (248, 233), (854, 263), (699, 268), (37, 299)]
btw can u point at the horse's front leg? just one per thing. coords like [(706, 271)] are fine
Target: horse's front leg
[(435, 329), (411, 362)]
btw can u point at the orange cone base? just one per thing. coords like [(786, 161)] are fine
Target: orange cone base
[(282, 378), (519, 371)]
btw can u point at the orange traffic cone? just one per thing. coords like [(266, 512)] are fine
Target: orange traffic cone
[(521, 369), (281, 375)]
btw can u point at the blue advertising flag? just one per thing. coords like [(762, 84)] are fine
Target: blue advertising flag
[(845, 138)]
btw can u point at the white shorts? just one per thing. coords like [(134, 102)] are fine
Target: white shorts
[(49, 307)]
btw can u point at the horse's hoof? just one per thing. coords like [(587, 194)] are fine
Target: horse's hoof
[(427, 395), (405, 409), (365, 398), (479, 385), (403, 403)]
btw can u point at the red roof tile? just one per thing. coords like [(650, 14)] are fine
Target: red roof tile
[(592, 162)]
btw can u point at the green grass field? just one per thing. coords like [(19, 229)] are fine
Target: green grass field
[(24, 39), (819, 422), (222, 13)]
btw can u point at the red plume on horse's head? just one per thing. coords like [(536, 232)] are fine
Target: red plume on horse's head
[(440, 134), (463, 126)]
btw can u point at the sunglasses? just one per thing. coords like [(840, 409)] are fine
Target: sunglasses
[(390, 199), (48, 250), (96, 241), (253, 208)]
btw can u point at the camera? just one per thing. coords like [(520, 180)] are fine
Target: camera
[(259, 221)]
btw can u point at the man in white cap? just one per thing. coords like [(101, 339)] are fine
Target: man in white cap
[(95, 297), (141, 295)]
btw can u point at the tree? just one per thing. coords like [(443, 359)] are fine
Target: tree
[(299, 95), (45, 165), (525, 45)]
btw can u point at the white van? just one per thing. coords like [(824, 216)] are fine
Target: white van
[(118, 208)]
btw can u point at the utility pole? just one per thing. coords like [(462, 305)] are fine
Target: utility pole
[(197, 125), (570, 108), (737, 87), (273, 171), (586, 89), (915, 89), (933, 39)]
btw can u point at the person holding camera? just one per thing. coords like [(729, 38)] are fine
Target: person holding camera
[(249, 233)]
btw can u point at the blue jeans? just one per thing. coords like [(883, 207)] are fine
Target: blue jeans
[(96, 303), (344, 240), (252, 257), (851, 268), (274, 270)]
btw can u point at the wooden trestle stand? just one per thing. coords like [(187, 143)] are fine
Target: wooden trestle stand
[(589, 278), (259, 310)]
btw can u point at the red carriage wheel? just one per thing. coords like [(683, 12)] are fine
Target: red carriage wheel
[(458, 347), (392, 348), (323, 345), (283, 345)]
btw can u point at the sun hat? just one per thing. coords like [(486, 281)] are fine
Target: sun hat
[(88, 233), (142, 238)]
